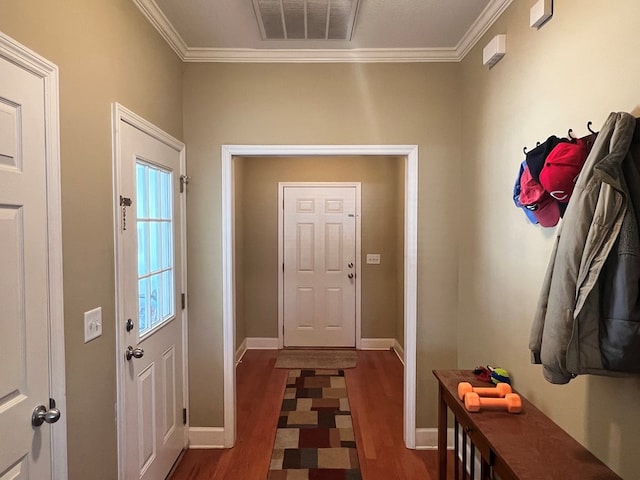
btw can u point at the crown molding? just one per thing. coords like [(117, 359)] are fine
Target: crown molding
[(487, 18), (358, 55), (152, 12), (489, 15)]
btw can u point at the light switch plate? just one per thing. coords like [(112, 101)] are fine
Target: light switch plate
[(373, 258), (92, 324)]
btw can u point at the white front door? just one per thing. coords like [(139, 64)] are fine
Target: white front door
[(29, 292), (320, 266), (150, 278)]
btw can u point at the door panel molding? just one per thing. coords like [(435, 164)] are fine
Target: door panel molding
[(358, 192), (410, 155), (48, 72)]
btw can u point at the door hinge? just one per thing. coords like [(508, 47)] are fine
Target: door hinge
[(184, 416), (183, 300), (184, 180)]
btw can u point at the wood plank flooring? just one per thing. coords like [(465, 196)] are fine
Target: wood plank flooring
[(375, 390)]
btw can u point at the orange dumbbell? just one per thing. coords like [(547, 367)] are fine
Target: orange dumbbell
[(511, 402), (500, 390)]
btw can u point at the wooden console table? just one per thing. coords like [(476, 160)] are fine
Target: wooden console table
[(524, 446)]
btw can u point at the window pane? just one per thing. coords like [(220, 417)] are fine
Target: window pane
[(142, 194), (143, 248), (154, 193), (167, 245), (166, 197), (155, 293), (167, 300), (143, 305), (155, 243)]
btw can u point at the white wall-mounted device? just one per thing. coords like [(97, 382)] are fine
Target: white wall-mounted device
[(540, 13), (494, 50)]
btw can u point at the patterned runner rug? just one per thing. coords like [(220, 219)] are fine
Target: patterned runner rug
[(315, 438)]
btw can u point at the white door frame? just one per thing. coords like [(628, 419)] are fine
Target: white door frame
[(410, 154), (281, 187), (40, 67), (122, 114)]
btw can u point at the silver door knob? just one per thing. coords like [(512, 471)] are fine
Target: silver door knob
[(41, 415), (133, 353), (350, 275)]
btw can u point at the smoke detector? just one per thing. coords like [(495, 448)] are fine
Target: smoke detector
[(306, 19)]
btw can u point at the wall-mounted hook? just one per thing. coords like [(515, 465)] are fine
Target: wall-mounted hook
[(569, 134), (524, 149), (589, 123)]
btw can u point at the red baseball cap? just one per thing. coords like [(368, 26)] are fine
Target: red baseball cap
[(561, 169), (536, 199)]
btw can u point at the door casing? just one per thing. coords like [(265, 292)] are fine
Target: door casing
[(281, 187), (38, 66), (409, 153), (122, 114)]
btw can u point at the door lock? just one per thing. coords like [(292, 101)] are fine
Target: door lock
[(350, 264), (133, 353), (351, 275)]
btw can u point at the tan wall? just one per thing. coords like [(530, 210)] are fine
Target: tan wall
[(106, 52), (323, 104), (259, 252), (580, 66)]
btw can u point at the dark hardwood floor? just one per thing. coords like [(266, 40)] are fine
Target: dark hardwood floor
[(375, 389)]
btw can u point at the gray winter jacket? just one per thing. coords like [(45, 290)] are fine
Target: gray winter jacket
[(588, 315)]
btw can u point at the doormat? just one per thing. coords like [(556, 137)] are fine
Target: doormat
[(314, 359), (315, 438)]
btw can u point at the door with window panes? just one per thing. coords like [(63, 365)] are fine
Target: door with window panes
[(150, 277)]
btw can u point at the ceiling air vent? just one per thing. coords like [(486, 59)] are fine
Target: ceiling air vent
[(306, 19)]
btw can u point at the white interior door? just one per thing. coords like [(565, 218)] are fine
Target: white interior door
[(150, 279), (320, 266), (27, 435)]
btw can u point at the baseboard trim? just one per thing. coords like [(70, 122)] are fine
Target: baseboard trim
[(427, 438), (242, 349), (399, 350), (261, 343), (377, 343), (206, 437)]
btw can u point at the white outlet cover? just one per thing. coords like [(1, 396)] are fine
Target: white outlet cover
[(92, 324)]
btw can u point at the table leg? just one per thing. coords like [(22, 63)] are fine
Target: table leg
[(442, 435)]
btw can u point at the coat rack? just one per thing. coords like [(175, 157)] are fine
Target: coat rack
[(589, 139)]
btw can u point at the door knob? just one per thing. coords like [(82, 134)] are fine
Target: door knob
[(350, 264), (41, 415), (350, 275), (133, 353)]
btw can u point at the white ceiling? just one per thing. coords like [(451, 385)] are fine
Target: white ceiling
[(385, 30)]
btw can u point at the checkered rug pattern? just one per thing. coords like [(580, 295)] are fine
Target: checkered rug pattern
[(315, 438)]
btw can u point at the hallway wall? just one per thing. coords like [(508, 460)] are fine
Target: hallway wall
[(580, 66), (336, 104), (106, 51)]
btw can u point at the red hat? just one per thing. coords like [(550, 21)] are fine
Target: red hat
[(561, 169), (536, 199)]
